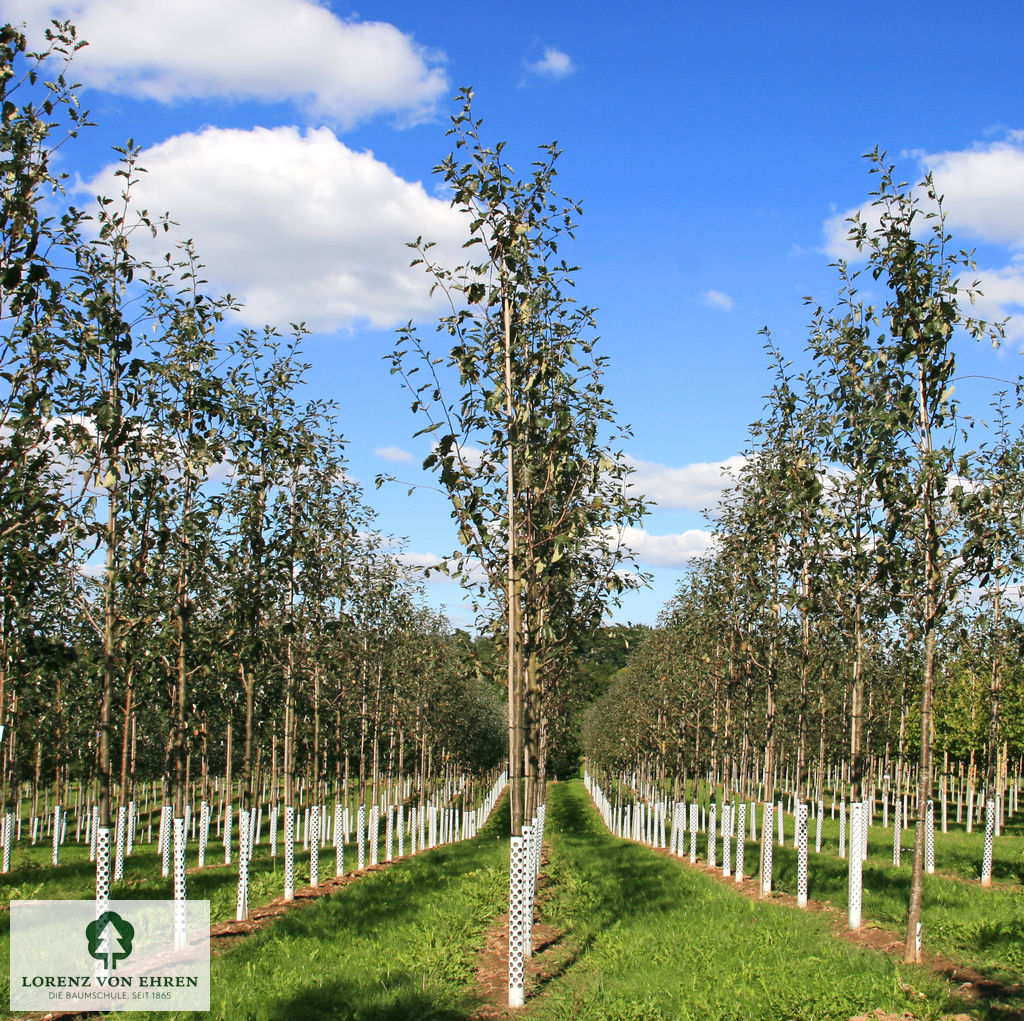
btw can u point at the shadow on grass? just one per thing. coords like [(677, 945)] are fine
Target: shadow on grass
[(342, 1001)]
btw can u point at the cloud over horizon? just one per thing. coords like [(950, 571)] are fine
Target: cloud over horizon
[(295, 224), (677, 550), (982, 188), (695, 487), (271, 51)]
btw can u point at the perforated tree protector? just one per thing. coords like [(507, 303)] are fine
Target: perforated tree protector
[(228, 826), (855, 894), (58, 833), (801, 854), (741, 832), (517, 906), (204, 832), (768, 848), (242, 899), (289, 852), (180, 891), (929, 838), (712, 834), (102, 869), (986, 855), (361, 836), (314, 846)]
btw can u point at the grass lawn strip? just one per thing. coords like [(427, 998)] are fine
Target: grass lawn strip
[(395, 944), (655, 939)]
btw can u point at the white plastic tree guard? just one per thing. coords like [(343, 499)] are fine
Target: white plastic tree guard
[(119, 844), (374, 832), (986, 854), (726, 839), (929, 837), (361, 837), (712, 834), (693, 833), (842, 828), (897, 834), (58, 819), (412, 830), (163, 840), (800, 839), (817, 827), (529, 834), (741, 833), (102, 868), (782, 831), (314, 846), (228, 827), (389, 835), (289, 852), (273, 830), (242, 899), (856, 862), (517, 890), (180, 888), (767, 848)]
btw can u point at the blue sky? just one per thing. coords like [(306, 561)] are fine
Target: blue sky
[(716, 152)]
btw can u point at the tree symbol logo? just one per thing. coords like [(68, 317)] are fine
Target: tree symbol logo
[(110, 938)]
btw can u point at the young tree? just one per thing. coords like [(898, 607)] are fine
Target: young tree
[(908, 252), (524, 450)]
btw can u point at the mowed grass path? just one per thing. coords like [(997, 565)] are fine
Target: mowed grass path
[(656, 939), (646, 937), (397, 945)]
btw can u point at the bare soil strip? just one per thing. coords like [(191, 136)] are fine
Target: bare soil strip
[(551, 956)]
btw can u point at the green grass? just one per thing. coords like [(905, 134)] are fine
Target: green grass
[(646, 937), (972, 925), (400, 944), (655, 939), (32, 877)]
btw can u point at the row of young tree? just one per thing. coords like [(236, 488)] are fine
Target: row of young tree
[(525, 446), (191, 580), (860, 602)]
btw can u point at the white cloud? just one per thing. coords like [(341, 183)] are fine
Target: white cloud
[(717, 299), (394, 454), (1002, 294), (666, 550), (423, 560), (271, 51), (554, 64), (432, 562), (983, 197), (984, 190), (694, 487), (295, 224)]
